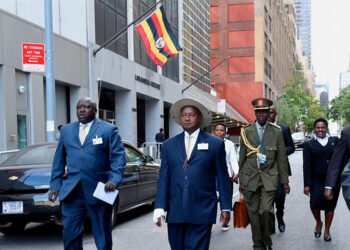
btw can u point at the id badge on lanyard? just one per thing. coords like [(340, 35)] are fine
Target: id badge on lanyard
[(260, 156)]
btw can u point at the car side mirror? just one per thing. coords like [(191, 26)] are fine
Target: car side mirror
[(148, 158)]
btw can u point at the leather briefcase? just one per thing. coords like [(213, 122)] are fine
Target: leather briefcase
[(240, 214)]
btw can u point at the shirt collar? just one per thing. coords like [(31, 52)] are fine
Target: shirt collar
[(87, 124), (193, 135), (322, 139), (259, 126)]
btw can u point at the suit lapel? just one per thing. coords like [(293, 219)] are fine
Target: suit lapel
[(95, 125), (200, 139), (267, 134), (76, 131), (180, 141), (252, 135)]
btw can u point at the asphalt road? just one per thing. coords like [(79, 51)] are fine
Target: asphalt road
[(135, 229)]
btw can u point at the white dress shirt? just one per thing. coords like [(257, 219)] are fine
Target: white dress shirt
[(322, 141), (231, 158), (193, 140)]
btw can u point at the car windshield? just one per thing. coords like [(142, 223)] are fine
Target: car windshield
[(42, 154), (298, 136)]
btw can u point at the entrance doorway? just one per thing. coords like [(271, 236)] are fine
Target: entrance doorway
[(22, 131), (141, 121), (106, 107)]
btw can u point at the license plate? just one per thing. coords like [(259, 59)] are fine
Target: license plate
[(12, 207)]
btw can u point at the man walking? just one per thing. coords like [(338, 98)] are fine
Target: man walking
[(231, 158), (280, 196), (191, 163), (262, 161), (338, 162), (89, 151), (160, 136)]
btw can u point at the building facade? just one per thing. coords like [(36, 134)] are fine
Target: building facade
[(322, 93), (303, 22), (259, 38), (344, 78), (131, 91)]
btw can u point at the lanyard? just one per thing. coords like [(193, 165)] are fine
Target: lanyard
[(262, 139)]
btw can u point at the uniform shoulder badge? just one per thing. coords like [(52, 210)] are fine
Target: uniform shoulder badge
[(246, 126), (275, 125)]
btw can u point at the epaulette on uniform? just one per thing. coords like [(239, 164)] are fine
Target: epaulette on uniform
[(246, 126), (273, 124)]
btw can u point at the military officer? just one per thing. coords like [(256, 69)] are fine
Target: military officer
[(262, 158)]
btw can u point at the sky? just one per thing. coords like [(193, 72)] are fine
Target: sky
[(330, 41)]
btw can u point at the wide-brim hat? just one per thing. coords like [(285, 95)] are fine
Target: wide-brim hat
[(262, 103), (175, 111)]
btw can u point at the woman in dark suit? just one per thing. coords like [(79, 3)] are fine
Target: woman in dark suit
[(317, 155)]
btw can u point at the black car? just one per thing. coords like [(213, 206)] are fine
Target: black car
[(25, 182)]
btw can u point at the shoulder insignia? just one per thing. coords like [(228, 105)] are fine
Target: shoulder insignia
[(247, 125), (275, 125)]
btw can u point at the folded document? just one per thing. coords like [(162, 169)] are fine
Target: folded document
[(101, 194)]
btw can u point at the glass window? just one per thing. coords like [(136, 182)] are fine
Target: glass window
[(22, 131), (110, 18), (171, 68), (32, 156), (133, 155), (267, 68), (140, 54)]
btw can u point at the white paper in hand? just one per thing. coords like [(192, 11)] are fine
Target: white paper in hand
[(101, 194)]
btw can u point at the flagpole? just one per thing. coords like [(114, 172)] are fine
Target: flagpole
[(116, 36), (210, 70)]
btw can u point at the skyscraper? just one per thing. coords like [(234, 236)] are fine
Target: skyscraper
[(344, 78), (259, 36), (303, 21)]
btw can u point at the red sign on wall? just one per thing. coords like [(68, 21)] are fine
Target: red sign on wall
[(33, 57)]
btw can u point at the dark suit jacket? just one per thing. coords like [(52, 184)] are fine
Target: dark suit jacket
[(189, 195), (87, 163), (316, 159), (340, 159), (288, 143)]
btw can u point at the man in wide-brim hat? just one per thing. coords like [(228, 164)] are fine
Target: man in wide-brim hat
[(191, 163)]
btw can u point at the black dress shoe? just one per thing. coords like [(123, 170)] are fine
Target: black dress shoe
[(317, 234), (282, 226), (327, 238)]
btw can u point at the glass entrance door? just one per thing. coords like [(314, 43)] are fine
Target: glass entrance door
[(22, 131)]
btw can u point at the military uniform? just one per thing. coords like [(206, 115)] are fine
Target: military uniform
[(258, 180)]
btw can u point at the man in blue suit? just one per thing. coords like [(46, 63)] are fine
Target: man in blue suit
[(191, 163), (89, 151)]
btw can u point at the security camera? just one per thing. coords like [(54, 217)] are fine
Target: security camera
[(21, 89)]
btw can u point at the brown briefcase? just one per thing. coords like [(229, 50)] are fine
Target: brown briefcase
[(240, 212)]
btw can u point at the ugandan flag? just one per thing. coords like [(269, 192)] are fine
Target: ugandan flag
[(159, 40)]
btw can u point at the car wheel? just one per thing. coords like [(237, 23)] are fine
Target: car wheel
[(14, 228), (115, 212)]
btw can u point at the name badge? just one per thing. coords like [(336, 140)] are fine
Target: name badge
[(262, 158), (203, 146), (97, 140)]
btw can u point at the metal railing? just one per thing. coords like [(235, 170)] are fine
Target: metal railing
[(6, 154), (152, 149)]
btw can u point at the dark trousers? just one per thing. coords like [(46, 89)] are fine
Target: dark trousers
[(260, 211), (189, 236), (74, 208), (279, 201)]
